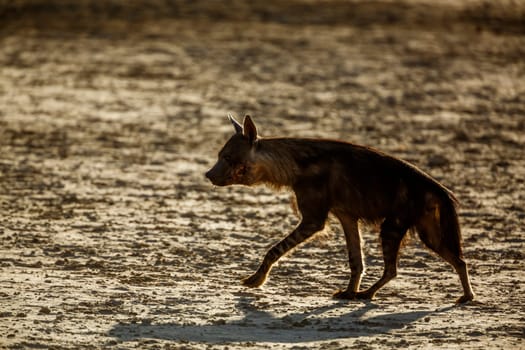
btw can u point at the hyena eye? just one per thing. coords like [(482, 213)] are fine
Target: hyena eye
[(227, 158)]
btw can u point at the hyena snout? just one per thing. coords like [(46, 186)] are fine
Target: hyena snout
[(217, 175)]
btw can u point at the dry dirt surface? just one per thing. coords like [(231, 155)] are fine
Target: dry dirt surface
[(111, 237)]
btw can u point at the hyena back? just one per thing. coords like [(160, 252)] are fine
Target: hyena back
[(353, 183)]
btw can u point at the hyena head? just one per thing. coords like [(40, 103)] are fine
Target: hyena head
[(236, 159)]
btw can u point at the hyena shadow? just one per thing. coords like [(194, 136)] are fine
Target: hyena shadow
[(325, 323)]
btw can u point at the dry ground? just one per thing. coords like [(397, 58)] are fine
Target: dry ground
[(109, 116)]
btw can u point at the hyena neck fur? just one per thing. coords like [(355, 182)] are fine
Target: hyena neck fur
[(273, 163)]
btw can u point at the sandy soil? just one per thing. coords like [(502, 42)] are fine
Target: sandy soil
[(110, 236)]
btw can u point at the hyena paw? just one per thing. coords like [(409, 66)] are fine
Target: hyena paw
[(364, 295), (464, 298), (345, 294), (253, 281)]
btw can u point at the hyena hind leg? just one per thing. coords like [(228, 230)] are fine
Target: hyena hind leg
[(391, 237), (355, 256), (454, 257), (439, 230)]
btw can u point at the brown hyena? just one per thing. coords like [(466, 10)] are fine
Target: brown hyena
[(353, 183)]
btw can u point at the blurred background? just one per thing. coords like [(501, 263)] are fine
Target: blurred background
[(111, 112), (501, 15)]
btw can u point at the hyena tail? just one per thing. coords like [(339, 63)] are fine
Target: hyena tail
[(438, 225), (450, 230)]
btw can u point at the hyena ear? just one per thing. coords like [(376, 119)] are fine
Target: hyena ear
[(249, 129), (236, 124)]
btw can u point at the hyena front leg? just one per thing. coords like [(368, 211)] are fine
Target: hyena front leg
[(305, 230), (355, 259)]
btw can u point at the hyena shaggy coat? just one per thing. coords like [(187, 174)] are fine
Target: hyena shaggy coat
[(353, 183)]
